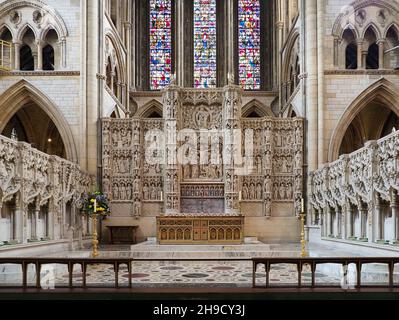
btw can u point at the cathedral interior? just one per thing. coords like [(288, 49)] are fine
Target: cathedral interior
[(262, 128)]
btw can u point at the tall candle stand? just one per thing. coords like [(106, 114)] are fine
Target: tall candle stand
[(302, 216)]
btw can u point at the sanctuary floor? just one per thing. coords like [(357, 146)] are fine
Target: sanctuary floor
[(221, 273)]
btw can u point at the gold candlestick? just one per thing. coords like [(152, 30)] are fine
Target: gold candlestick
[(304, 254), (94, 253)]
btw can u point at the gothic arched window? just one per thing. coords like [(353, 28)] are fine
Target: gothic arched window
[(249, 44), (205, 39), (160, 43)]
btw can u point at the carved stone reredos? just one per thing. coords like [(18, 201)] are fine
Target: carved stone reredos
[(276, 175)]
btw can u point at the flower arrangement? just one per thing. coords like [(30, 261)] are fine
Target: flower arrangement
[(95, 202)]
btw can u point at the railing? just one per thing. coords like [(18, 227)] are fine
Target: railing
[(5, 55), (268, 263), (314, 262)]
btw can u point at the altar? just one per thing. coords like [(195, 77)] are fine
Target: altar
[(191, 175), (200, 230)]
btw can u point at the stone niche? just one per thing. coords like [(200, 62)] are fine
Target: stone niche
[(264, 187)]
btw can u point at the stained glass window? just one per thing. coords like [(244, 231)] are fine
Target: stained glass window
[(249, 43), (205, 43), (160, 43)]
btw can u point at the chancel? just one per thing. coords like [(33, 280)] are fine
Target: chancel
[(194, 143)]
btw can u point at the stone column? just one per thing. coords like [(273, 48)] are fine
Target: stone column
[(310, 33), (381, 53), (359, 44), (377, 221), (62, 58), (336, 52), (50, 222), (17, 58), (171, 101), (128, 33), (280, 40), (395, 216), (348, 222), (36, 223), (231, 44), (322, 222), (337, 222), (183, 43), (329, 230), (364, 58), (321, 18), (18, 222), (363, 221), (232, 105), (39, 65)]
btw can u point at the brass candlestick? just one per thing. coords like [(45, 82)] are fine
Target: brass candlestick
[(304, 254), (94, 253)]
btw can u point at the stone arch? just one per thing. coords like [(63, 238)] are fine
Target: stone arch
[(23, 30), (351, 28), (23, 92), (291, 46), (120, 61), (341, 21), (383, 91), (58, 22), (371, 26), (149, 108), (348, 51), (5, 27), (291, 112), (257, 107), (393, 26), (46, 30)]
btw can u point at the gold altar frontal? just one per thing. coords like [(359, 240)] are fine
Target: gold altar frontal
[(200, 230)]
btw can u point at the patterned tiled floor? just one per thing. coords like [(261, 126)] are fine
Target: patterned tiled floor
[(162, 274), (192, 274)]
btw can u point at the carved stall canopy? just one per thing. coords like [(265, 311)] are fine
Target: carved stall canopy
[(30, 178), (358, 183)]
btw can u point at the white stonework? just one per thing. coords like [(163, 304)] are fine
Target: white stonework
[(101, 73)]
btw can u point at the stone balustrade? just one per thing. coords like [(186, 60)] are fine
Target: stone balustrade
[(39, 195), (356, 197)]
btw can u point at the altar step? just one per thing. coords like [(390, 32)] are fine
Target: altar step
[(151, 250)]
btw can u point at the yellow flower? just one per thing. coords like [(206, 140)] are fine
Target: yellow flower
[(92, 200)]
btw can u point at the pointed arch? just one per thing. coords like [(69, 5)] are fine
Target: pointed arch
[(350, 27), (56, 19), (371, 26), (393, 26), (354, 6), (46, 30), (289, 51), (4, 27), (119, 51), (149, 108), (23, 92), (383, 91), (255, 106), (22, 31)]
